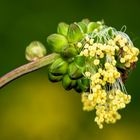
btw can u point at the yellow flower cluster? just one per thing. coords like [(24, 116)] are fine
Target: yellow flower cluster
[(109, 112), (107, 93), (107, 75), (106, 100), (91, 100), (97, 50), (110, 73), (129, 54), (106, 104)]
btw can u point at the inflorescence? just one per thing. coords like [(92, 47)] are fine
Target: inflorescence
[(107, 92), (95, 60)]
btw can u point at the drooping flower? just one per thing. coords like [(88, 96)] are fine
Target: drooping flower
[(95, 60)]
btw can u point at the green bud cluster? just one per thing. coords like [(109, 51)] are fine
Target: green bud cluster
[(70, 67), (75, 44)]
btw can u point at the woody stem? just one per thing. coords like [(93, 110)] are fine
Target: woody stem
[(29, 67)]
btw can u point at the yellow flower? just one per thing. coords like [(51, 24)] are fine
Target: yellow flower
[(91, 41), (96, 62), (86, 53), (87, 74), (122, 60), (79, 45)]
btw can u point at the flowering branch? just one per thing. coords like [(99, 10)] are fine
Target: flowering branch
[(91, 58), (29, 67)]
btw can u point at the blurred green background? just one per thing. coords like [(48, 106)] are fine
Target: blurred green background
[(32, 108)]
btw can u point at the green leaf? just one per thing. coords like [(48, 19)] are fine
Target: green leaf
[(57, 42), (74, 33)]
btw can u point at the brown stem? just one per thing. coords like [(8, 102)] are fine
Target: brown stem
[(29, 67)]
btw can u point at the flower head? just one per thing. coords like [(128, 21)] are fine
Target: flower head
[(96, 58)]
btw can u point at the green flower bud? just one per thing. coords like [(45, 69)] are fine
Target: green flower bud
[(111, 32), (74, 72), (57, 42), (58, 67), (69, 51), (83, 26), (92, 26), (82, 85), (68, 83), (77, 88), (103, 40), (97, 38), (80, 61), (86, 21), (62, 28), (74, 33), (35, 50), (54, 78)]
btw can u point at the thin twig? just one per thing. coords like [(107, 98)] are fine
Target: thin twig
[(29, 67)]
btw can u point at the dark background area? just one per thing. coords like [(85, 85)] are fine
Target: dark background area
[(32, 108)]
